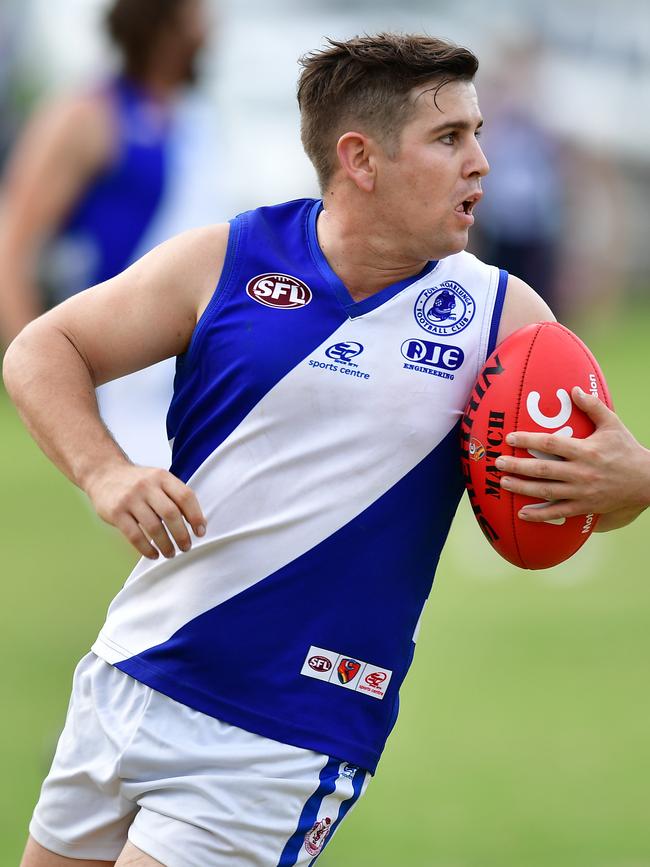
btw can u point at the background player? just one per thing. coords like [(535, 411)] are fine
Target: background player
[(297, 470), (98, 178)]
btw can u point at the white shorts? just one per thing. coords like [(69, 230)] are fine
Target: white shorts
[(187, 789)]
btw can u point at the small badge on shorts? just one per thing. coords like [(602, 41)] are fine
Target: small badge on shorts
[(316, 836)]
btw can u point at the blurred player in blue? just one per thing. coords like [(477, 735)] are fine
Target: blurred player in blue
[(240, 694), (97, 179)]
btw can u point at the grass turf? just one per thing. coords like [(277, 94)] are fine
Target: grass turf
[(523, 738)]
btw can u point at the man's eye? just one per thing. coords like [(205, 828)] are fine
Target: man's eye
[(450, 138)]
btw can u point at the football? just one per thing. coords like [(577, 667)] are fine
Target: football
[(526, 385)]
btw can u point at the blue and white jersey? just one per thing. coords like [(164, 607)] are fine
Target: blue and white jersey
[(320, 436)]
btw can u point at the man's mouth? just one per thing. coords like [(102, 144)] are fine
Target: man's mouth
[(467, 205)]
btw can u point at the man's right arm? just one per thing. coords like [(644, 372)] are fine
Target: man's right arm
[(52, 368)]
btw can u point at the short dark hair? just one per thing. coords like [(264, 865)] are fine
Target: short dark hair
[(133, 25), (366, 81)]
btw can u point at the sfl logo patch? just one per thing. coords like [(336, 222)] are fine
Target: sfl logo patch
[(281, 291)]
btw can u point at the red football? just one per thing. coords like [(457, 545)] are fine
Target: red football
[(526, 385)]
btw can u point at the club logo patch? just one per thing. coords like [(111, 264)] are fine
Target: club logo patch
[(444, 309), (316, 836), (281, 291), (348, 669)]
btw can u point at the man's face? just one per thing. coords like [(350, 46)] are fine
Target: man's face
[(429, 187)]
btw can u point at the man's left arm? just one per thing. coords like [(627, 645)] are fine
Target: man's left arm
[(607, 473)]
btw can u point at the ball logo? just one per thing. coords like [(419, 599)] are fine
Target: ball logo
[(550, 422), (319, 663), (376, 678), (344, 352), (444, 309), (279, 290), (348, 669), (556, 423), (433, 354), (476, 450)]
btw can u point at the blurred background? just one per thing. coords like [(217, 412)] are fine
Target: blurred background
[(523, 737)]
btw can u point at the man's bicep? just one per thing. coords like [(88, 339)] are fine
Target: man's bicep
[(148, 312), (522, 306)]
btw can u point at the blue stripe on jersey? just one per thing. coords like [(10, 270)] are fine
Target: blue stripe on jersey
[(319, 599), (251, 347), (497, 310), (326, 785), (346, 806)]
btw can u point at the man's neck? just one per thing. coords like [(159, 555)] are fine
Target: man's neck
[(364, 260)]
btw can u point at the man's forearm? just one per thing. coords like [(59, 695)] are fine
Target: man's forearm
[(53, 390)]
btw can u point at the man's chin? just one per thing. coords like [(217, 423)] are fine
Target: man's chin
[(454, 245)]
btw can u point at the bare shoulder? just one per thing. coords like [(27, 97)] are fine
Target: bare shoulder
[(75, 134), (522, 306), (192, 261), (146, 313)]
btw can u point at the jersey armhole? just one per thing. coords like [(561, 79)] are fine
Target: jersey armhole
[(223, 287), (497, 311)]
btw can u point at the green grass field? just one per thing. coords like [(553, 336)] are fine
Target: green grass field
[(524, 737)]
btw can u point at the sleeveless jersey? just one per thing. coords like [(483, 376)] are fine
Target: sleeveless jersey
[(321, 438), (103, 231)]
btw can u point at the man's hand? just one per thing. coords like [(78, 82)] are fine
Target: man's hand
[(608, 473), (147, 506)]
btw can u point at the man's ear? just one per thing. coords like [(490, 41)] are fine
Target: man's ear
[(356, 157)]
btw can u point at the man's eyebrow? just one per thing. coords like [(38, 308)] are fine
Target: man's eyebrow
[(457, 124)]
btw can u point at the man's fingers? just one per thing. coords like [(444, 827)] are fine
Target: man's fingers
[(554, 511), (131, 530), (151, 506), (153, 526), (536, 468), (186, 500), (170, 513), (563, 447), (592, 406), (546, 490)]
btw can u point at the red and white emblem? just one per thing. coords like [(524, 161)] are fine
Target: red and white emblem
[(281, 291), (348, 669), (315, 838)]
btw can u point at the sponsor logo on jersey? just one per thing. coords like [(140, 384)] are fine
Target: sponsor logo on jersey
[(349, 771), (433, 354), (444, 309), (346, 672), (281, 291), (375, 681), (316, 836), (344, 352), (375, 678), (319, 663), (348, 669), (476, 450)]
